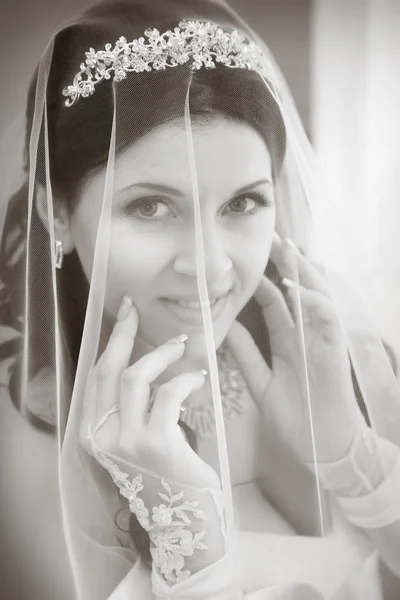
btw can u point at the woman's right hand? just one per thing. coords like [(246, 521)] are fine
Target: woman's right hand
[(166, 483), (147, 438)]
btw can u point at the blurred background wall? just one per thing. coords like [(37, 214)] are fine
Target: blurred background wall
[(355, 120)]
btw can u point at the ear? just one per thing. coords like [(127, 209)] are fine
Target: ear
[(61, 219)]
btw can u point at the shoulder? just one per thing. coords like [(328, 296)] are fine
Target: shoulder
[(40, 399)]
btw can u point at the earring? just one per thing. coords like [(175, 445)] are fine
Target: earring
[(59, 254)]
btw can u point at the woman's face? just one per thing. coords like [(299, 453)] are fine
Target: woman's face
[(152, 255)]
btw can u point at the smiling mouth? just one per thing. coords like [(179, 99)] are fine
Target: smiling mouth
[(190, 311), (194, 305)]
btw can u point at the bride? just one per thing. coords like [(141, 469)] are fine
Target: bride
[(197, 368)]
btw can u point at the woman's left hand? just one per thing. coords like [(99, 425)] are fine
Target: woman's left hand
[(309, 385)]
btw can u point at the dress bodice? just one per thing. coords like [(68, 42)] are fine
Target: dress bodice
[(340, 564)]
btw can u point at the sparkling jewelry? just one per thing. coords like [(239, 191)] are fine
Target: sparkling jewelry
[(200, 417), (59, 254), (203, 43)]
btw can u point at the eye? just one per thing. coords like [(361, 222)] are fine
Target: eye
[(148, 208), (245, 205), (242, 205)]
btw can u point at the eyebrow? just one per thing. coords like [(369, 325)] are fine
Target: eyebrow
[(166, 189)]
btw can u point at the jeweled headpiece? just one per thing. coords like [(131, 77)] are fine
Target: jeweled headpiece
[(204, 43)]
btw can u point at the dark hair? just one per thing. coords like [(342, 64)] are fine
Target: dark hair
[(79, 139), (79, 136)]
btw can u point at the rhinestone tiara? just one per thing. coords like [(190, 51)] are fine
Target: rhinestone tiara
[(204, 43)]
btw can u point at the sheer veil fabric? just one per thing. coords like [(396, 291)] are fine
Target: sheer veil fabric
[(251, 455)]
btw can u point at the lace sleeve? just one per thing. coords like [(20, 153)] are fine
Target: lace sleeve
[(185, 525)]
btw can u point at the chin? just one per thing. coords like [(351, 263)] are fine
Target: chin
[(196, 347)]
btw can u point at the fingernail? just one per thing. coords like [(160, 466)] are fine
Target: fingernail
[(203, 374), (288, 283), (124, 309), (291, 244), (179, 339)]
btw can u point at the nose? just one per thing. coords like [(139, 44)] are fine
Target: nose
[(216, 255)]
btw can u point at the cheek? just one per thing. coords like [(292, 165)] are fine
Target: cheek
[(135, 265), (83, 233), (250, 267), (251, 252)]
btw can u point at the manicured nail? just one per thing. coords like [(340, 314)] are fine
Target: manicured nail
[(179, 339), (203, 374), (288, 283), (124, 308)]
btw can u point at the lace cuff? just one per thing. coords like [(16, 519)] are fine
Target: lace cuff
[(215, 582), (185, 526), (366, 483)]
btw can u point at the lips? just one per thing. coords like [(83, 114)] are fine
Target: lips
[(189, 311), (194, 304)]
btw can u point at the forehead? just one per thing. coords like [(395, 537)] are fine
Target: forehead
[(227, 154)]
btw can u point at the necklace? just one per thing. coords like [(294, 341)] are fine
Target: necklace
[(200, 417)]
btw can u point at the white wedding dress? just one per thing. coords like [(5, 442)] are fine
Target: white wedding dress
[(270, 555)]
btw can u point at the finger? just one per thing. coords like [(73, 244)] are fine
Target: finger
[(249, 359), (284, 258), (295, 297), (89, 418), (115, 359), (120, 344), (311, 277), (310, 303), (313, 310), (135, 381), (165, 412), (273, 305), (292, 264)]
